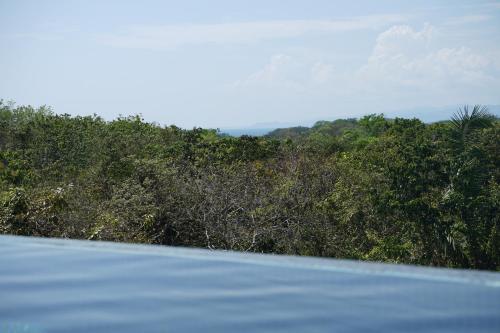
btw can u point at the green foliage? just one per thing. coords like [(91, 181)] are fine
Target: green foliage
[(375, 189)]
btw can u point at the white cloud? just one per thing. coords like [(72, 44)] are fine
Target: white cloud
[(168, 36), (282, 71), (321, 72), (403, 57), (286, 72), (406, 67), (401, 41)]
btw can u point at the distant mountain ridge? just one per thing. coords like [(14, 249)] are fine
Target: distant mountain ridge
[(292, 129), (435, 114)]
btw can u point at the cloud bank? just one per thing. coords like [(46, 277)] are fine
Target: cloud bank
[(406, 65), (169, 36), (408, 58)]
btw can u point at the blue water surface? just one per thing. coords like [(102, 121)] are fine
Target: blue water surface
[(78, 286)]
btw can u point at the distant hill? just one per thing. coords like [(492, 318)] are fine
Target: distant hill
[(290, 132), (331, 128), (435, 114), (258, 129), (283, 130)]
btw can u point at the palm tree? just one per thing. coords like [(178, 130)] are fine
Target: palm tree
[(464, 121), (468, 176)]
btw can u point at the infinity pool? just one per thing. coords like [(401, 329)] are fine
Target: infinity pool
[(49, 285)]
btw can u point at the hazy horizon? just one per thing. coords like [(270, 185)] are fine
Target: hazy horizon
[(232, 65)]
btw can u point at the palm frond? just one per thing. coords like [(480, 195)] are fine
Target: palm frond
[(464, 121)]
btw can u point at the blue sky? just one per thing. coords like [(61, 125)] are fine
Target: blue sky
[(236, 63)]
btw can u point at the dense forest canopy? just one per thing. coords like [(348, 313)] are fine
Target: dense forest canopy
[(395, 190)]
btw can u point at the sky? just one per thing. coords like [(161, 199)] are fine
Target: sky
[(236, 63)]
